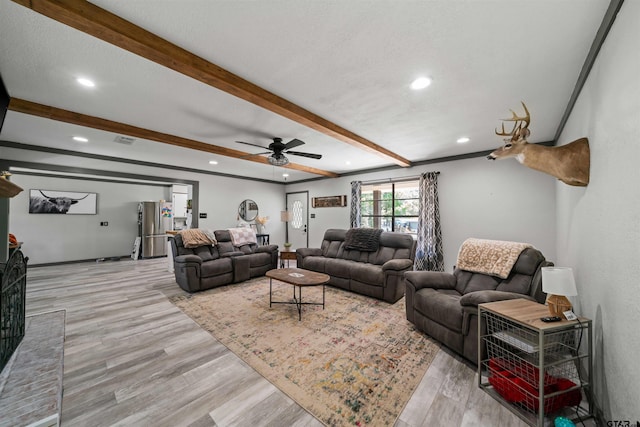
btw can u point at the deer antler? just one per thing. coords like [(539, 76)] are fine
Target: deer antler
[(569, 163), (518, 130)]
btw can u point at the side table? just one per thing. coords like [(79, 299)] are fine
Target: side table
[(532, 367), (287, 255)]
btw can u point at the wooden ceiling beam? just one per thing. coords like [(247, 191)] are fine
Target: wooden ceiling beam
[(66, 116), (106, 26)]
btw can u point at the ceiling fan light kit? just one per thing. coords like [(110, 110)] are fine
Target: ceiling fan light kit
[(278, 161), (278, 150)]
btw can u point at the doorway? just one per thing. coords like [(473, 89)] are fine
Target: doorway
[(297, 229)]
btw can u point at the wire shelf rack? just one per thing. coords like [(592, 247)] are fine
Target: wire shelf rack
[(537, 372)]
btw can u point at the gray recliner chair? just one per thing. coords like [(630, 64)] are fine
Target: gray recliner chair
[(445, 305), (200, 268)]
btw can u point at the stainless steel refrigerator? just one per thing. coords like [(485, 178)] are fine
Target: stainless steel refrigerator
[(154, 220)]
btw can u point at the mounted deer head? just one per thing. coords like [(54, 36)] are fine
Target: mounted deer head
[(569, 163)]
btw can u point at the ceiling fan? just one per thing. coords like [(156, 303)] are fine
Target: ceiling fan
[(278, 150)]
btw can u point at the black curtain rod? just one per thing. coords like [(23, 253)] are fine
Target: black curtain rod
[(392, 180)]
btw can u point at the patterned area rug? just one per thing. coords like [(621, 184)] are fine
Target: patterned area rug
[(356, 362)]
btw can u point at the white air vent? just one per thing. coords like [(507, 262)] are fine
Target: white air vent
[(124, 139)]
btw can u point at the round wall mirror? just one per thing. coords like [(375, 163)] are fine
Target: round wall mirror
[(248, 210)]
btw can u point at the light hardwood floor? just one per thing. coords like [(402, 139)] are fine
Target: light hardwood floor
[(133, 358)]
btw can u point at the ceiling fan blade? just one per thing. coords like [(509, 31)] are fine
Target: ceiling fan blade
[(254, 145), (293, 143), (310, 155)]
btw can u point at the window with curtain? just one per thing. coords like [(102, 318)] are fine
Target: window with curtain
[(429, 253), (392, 206)]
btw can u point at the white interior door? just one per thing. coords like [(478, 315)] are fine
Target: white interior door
[(297, 228)]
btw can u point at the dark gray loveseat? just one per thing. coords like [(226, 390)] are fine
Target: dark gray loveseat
[(377, 274), (208, 266), (445, 305)]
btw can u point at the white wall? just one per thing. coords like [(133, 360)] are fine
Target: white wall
[(499, 200), (599, 226)]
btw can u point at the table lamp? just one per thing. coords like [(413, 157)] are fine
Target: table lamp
[(286, 216), (558, 283)]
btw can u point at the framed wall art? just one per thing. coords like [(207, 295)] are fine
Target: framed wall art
[(329, 202), (62, 202)]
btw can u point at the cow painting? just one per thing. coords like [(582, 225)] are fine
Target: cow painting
[(54, 204)]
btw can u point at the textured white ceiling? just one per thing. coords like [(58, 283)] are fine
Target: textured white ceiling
[(349, 62)]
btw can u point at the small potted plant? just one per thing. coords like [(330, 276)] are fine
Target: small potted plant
[(287, 246)]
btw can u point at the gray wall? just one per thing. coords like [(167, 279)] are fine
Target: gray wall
[(82, 235), (478, 198), (599, 226), (55, 238), (220, 198), (499, 200)]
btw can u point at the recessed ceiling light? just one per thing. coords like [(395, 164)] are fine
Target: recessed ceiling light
[(420, 83), (213, 162), (85, 82), (348, 162), (463, 140), (285, 175), (80, 139)]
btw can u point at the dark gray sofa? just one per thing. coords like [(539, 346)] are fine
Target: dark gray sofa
[(377, 274), (445, 305), (208, 266)]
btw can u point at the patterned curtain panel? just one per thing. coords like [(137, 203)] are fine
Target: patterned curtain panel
[(429, 254), (356, 215)]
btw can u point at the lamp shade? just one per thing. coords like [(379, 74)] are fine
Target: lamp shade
[(285, 216), (558, 281)]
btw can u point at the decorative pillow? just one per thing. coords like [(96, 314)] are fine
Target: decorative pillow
[(363, 239)]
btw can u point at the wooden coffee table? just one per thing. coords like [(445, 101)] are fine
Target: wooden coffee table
[(299, 278)]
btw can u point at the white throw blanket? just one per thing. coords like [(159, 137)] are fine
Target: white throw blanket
[(492, 257), (242, 236)]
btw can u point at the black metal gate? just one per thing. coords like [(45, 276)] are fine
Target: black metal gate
[(13, 280)]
